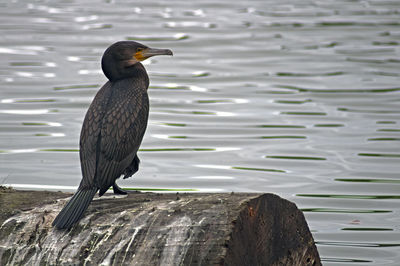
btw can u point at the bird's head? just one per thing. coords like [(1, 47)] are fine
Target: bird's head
[(120, 58)]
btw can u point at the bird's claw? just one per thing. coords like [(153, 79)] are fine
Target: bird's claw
[(118, 190)]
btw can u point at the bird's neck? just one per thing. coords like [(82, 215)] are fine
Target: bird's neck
[(138, 72), (115, 72), (137, 81)]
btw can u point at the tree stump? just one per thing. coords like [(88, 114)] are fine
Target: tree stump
[(158, 229)]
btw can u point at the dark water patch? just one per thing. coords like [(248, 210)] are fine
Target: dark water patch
[(386, 74), (365, 51), (387, 43), (343, 109), (385, 33), (384, 155), (201, 113), (258, 169), (386, 122), (198, 74), (343, 196), (195, 112), (59, 150), (378, 90), (285, 92), (29, 64), (356, 23), (34, 124), (296, 158), (293, 24), (72, 87), (177, 149), (383, 139), (356, 244), (373, 61), (292, 74), (178, 137), (50, 124), (293, 101), (283, 137), (34, 101), (384, 12), (334, 210), (329, 125), (389, 130), (160, 189), (368, 180), (214, 101), (279, 126), (232, 137), (362, 229), (97, 26), (330, 44), (175, 37), (342, 260), (49, 135), (304, 113), (324, 45), (344, 24), (173, 124)]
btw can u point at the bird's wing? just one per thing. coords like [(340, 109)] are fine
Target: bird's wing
[(123, 128), (90, 135)]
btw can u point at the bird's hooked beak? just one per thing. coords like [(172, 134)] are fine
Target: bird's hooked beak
[(145, 53)]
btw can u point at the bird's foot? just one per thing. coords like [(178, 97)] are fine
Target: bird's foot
[(118, 190), (132, 168)]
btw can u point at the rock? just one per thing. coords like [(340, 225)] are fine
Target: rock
[(158, 229)]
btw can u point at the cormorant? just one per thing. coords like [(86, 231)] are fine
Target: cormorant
[(113, 127)]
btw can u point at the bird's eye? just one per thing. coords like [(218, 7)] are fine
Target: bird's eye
[(139, 49)]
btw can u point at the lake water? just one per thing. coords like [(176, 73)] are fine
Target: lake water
[(298, 98)]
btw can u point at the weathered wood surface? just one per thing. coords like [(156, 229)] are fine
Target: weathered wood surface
[(158, 229)]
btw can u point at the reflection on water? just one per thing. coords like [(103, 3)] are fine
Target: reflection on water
[(295, 98)]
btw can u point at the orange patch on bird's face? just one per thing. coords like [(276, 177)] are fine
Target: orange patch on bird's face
[(139, 56)]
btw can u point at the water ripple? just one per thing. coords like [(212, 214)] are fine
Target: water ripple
[(335, 210), (377, 90), (175, 37), (78, 86), (357, 244), (51, 124), (27, 100), (190, 24), (227, 167), (343, 196), (174, 86), (27, 112), (295, 157)]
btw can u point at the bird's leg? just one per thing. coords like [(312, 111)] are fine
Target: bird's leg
[(118, 190), (132, 168), (129, 171)]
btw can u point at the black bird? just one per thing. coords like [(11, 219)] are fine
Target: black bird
[(113, 127)]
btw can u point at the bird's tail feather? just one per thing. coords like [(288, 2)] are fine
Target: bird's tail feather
[(74, 209)]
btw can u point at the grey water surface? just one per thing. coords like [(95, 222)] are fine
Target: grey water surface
[(298, 98)]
